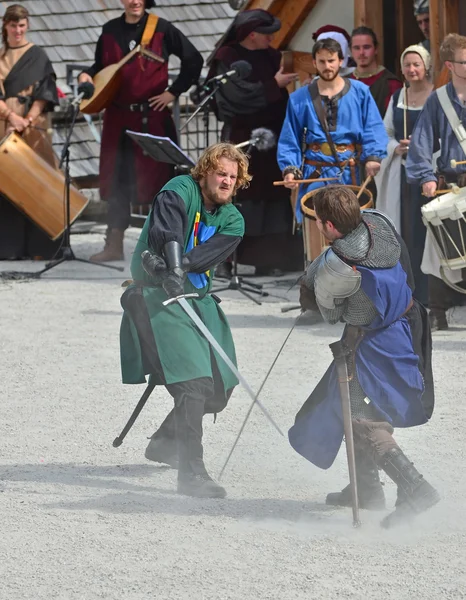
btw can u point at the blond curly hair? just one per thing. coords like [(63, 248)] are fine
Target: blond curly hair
[(210, 158)]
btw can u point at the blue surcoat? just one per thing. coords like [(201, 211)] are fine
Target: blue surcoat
[(387, 366)]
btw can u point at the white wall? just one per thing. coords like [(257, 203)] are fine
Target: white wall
[(325, 12)]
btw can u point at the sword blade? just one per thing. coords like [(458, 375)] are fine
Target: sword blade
[(216, 346)]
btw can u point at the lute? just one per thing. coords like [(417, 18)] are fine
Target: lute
[(108, 80)]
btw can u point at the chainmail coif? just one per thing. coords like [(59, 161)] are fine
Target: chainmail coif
[(372, 244)]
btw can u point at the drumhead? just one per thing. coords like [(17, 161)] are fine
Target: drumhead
[(449, 206)]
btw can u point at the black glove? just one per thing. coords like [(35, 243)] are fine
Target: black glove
[(155, 266), (173, 284)]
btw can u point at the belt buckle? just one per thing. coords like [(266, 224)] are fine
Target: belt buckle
[(325, 149), (135, 107)]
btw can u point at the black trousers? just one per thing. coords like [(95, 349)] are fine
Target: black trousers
[(442, 297), (123, 187), (184, 422)]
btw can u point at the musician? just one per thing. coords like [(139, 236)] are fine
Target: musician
[(398, 199), (355, 129), (192, 227), (258, 101), (126, 174), (365, 280), (433, 133), (27, 95), (382, 83)]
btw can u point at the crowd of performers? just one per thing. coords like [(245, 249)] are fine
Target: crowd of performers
[(353, 120)]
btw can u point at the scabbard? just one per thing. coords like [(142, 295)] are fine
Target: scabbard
[(340, 353)]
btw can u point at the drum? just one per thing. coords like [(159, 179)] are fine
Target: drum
[(445, 219), (35, 187), (314, 241)]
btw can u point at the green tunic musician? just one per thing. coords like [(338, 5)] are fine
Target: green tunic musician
[(192, 227)]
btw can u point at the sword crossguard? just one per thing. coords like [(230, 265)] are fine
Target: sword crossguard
[(176, 298)]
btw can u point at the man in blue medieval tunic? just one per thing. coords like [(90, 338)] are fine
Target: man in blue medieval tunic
[(331, 127), (365, 280), (433, 132), (192, 227)]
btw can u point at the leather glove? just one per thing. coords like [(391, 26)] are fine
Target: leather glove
[(155, 266), (307, 298)]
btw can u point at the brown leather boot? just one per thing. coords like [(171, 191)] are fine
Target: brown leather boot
[(113, 249)]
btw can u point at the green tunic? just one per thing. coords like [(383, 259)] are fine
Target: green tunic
[(183, 351)]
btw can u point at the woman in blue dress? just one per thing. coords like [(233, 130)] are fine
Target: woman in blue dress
[(397, 198)]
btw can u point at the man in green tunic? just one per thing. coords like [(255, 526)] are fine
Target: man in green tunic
[(192, 227)]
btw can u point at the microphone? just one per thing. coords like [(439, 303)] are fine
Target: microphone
[(85, 91), (263, 139), (240, 68)]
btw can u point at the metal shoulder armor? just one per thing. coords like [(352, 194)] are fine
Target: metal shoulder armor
[(335, 280)]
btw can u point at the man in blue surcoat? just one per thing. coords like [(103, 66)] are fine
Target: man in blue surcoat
[(365, 280), (331, 127)]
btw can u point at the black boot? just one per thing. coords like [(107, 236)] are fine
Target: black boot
[(200, 485), (438, 320), (193, 479), (162, 447), (415, 494), (370, 490)]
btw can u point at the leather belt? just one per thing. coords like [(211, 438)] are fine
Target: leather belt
[(135, 107), (410, 306), (340, 148), (318, 163)]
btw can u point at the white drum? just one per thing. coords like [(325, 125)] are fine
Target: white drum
[(445, 219)]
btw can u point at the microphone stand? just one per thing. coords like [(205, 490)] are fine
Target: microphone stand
[(236, 282), (67, 251), (204, 103)]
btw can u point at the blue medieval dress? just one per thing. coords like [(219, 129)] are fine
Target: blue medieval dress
[(397, 198)]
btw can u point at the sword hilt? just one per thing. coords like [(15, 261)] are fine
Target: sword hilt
[(176, 298)]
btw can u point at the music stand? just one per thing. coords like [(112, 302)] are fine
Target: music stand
[(67, 251), (163, 149)]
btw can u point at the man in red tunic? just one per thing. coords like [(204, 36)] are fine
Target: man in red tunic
[(380, 80), (126, 174)]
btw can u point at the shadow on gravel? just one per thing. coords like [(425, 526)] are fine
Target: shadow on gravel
[(134, 498), (82, 475), (177, 505)]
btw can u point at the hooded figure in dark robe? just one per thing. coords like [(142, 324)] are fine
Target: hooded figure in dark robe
[(258, 100)]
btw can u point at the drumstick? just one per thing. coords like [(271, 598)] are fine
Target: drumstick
[(405, 108), (453, 190), (301, 181), (364, 185), (454, 163)]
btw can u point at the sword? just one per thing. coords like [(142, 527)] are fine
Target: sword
[(181, 300), (340, 351)]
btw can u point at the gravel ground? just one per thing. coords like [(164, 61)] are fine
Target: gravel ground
[(82, 520)]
